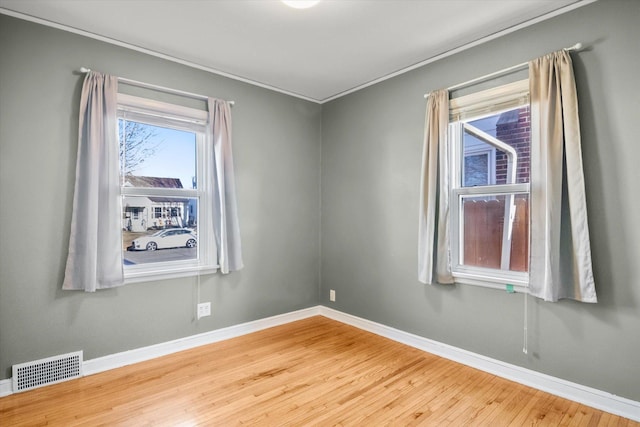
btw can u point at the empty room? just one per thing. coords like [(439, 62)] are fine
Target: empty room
[(334, 212)]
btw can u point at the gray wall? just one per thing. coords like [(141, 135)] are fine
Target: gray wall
[(371, 155), (277, 159)]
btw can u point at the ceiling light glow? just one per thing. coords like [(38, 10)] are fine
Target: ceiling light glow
[(301, 4)]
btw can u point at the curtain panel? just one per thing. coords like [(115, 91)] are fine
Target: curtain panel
[(433, 243), (560, 265), (225, 211), (95, 248)]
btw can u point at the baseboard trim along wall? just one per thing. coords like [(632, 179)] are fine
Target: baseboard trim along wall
[(586, 395), (576, 392), (117, 360), (6, 387)]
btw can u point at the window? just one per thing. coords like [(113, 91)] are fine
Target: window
[(164, 170), (113, 178), (540, 216), (490, 136)]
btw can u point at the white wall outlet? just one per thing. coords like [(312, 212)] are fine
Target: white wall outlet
[(332, 295), (204, 309)]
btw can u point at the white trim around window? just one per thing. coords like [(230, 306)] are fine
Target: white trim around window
[(164, 115), (462, 111)]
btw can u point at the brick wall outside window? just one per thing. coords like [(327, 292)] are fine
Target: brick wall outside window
[(514, 128)]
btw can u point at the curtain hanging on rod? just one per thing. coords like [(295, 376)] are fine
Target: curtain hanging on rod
[(158, 87), (95, 252), (522, 66), (560, 264)]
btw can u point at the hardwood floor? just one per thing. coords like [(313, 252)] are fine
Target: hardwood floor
[(311, 372)]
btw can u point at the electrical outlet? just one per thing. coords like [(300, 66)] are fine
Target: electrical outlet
[(204, 309), (332, 295)]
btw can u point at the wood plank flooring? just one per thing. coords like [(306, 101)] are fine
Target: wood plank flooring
[(311, 372)]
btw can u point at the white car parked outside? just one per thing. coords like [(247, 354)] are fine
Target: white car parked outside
[(163, 239)]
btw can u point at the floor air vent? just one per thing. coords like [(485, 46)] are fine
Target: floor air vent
[(47, 371)]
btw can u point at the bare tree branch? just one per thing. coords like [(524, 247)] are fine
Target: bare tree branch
[(136, 144)]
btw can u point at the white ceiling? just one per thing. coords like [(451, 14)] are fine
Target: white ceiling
[(318, 54)]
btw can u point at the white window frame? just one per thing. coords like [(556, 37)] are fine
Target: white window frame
[(191, 120), (462, 111)]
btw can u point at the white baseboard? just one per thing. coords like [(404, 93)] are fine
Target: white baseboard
[(6, 387), (586, 395), (117, 360), (124, 358)]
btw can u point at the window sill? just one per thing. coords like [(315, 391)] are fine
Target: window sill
[(175, 273), (518, 286)]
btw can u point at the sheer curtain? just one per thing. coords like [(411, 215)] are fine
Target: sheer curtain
[(95, 248), (560, 265), (225, 211), (433, 244)]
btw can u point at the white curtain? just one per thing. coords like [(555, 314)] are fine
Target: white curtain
[(225, 212), (95, 247), (433, 244), (560, 264)]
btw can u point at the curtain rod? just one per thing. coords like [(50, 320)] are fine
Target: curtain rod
[(158, 88), (575, 47)]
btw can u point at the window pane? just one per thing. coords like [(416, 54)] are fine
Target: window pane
[(476, 170), (159, 229), (484, 232), (155, 156), (496, 149)]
